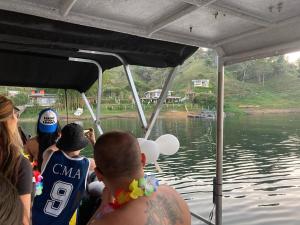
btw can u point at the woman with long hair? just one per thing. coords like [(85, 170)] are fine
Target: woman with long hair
[(11, 207), (48, 131), (13, 165)]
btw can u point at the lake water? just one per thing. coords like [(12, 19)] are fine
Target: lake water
[(261, 165)]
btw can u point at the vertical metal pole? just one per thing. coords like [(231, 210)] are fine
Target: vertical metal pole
[(162, 98), (219, 153), (96, 119), (66, 106), (92, 113), (99, 96), (135, 96), (159, 104), (130, 80)]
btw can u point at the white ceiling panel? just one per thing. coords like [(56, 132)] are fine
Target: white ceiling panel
[(273, 10), (274, 42), (49, 3), (130, 11), (233, 27), (211, 25)]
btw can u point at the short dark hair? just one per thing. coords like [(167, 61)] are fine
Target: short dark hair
[(117, 154)]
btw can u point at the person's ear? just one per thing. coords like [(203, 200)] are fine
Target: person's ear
[(143, 159), (98, 174)]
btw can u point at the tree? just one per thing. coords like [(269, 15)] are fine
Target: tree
[(210, 57), (298, 67), (206, 100), (263, 70), (260, 70), (20, 99), (280, 65)]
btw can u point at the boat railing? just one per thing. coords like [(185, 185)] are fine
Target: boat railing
[(198, 217)]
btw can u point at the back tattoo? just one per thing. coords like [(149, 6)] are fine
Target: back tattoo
[(163, 211)]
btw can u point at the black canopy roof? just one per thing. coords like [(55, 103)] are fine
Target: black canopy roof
[(34, 52)]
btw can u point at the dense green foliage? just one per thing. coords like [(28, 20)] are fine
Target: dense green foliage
[(265, 83), (20, 99)]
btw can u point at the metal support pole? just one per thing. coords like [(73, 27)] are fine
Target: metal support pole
[(161, 100), (99, 96), (92, 113), (201, 218), (159, 104), (219, 153), (66, 106), (135, 96), (96, 118), (130, 80)]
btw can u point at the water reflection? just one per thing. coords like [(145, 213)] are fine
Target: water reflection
[(261, 165)]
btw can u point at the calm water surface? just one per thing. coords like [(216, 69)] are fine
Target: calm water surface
[(261, 165)]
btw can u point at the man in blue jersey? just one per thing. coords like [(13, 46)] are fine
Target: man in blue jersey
[(64, 174)]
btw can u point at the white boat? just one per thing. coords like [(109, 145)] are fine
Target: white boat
[(204, 114), (78, 112)]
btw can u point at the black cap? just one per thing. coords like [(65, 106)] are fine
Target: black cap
[(72, 138)]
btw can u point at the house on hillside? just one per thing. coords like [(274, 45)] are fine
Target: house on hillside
[(42, 99), (201, 83), (190, 95), (12, 93), (153, 96)]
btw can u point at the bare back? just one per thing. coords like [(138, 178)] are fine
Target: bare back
[(164, 207)]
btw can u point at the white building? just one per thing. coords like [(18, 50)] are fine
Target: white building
[(13, 93), (42, 99), (201, 83), (154, 94)]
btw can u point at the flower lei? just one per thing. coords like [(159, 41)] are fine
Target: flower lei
[(144, 186), (37, 178)]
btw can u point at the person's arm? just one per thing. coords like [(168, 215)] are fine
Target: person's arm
[(26, 201), (92, 165), (46, 156), (28, 149), (91, 136)]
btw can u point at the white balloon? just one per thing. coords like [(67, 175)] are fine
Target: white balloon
[(95, 188), (141, 140), (168, 144), (151, 151)]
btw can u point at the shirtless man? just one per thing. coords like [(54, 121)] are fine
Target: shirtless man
[(119, 162)]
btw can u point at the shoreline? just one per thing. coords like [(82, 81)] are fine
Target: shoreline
[(255, 111), (122, 115), (171, 114)]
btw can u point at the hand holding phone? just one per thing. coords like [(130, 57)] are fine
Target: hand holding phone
[(90, 134)]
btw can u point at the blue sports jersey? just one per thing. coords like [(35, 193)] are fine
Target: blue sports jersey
[(64, 183)]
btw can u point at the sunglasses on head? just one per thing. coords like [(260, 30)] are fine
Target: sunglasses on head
[(16, 112)]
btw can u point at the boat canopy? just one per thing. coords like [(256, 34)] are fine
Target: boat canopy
[(148, 33), (237, 29), (34, 52)]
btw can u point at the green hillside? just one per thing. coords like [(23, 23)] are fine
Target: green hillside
[(270, 83)]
